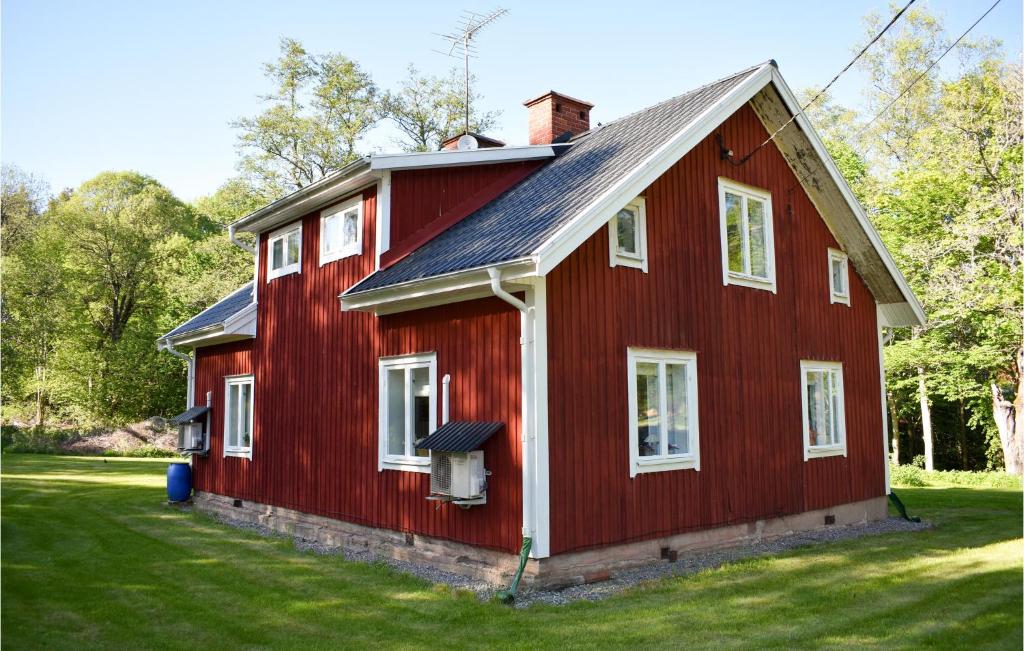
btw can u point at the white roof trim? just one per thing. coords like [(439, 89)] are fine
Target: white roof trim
[(450, 158)]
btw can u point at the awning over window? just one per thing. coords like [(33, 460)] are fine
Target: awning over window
[(190, 415), (460, 436)]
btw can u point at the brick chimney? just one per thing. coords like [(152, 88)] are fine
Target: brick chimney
[(552, 114)]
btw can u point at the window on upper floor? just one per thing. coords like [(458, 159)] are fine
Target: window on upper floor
[(748, 245), (408, 412), (238, 391), (627, 235), (838, 277), (341, 231), (824, 411), (662, 410), (285, 251)]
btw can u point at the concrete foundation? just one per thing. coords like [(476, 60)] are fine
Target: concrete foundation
[(498, 567)]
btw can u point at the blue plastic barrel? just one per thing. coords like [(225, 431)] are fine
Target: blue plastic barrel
[(179, 482)]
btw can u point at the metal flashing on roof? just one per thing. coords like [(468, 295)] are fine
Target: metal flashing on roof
[(190, 415), (460, 436)]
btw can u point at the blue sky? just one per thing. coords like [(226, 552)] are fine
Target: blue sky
[(152, 86)]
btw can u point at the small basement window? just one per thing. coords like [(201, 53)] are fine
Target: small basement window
[(238, 416), (627, 235), (824, 411), (662, 410), (748, 245), (285, 250), (341, 231), (838, 277), (408, 411)]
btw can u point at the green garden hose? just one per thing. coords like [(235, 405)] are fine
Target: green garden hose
[(508, 595), (901, 508)]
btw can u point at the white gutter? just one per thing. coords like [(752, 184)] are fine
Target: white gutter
[(453, 158), (237, 242), (163, 344)]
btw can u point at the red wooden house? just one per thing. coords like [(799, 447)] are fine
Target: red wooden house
[(653, 333)]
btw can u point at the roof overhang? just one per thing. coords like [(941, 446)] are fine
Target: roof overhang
[(239, 326), (455, 158), (440, 290)]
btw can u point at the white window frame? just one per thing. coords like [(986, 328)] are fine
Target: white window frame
[(834, 256), (408, 462), (747, 192), (660, 463), (837, 449), (617, 258), (282, 234), (238, 380), (354, 248)]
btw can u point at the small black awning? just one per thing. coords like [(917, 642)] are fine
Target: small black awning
[(460, 436), (190, 415)]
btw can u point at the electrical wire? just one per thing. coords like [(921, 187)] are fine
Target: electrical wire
[(829, 84), (927, 70)]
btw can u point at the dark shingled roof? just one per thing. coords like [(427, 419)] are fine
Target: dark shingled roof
[(518, 222), (217, 313), (190, 415), (460, 436)]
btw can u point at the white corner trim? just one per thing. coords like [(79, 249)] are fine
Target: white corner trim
[(460, 157), (407, 462), (879, 325), (817, 451), (730, 277), (383, 217), (834, 296), (542, 477), (355, 248), (295, 267), (570, 236), (862, 219), (618, 258)]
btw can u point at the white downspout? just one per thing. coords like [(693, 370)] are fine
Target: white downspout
[(445, 381), (190, 398), (526, 340), (237, 242), (883, 338)]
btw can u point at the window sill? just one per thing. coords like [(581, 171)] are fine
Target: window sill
[(823, 451), (754, 282), (628, 261), (842, 300), (283, 271), (406, 464), (327, 258), (242, 453), (663, 464)]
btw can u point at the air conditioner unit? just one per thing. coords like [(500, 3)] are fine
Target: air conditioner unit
[(458, 475), (191, 437)]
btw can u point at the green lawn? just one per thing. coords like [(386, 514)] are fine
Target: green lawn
[(92, 557)]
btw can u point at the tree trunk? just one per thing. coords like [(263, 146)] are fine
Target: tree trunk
[(895, 431), (1008, 419), (926, 421), (962, 439), (40, 383)]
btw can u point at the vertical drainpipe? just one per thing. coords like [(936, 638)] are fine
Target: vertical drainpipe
[(190, 359), (445, 381), (882, 338)]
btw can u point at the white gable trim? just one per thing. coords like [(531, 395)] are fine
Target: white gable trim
[(568, 238), (449, 158)]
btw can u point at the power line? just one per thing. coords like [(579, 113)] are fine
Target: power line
[(829, 84), (927, 70)]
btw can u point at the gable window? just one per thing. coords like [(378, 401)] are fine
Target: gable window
[(341, 231), (824, 412), (838, 277), (408, 397), (748, 245), (627, 235), (662, 410), (238, 391), (285, 247)]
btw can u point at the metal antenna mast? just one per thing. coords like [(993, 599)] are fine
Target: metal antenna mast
[(462, 41)]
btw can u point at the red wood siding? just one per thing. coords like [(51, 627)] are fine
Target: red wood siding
[(315, 430), (418, 197), (749, 344)]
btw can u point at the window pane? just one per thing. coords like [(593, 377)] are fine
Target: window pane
[(244, 428), (755, 219), (331, 234), (838, 277), (835, 407), (733, 234), (277, 254), (395, 380), (625, 231), (678, 416), (294, 241), (647, 417), (231, 417), (351, 235), (421, 407), (815, 408)]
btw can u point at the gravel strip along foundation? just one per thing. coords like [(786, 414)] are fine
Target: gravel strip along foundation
[(686, 564)]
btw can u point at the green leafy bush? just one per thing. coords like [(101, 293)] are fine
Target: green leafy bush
[(35, 439), (907, 476), (913, 476), (144, 452)]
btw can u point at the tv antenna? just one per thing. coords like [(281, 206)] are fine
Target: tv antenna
[(461, 39)]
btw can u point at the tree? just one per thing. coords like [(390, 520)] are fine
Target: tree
[(321, 107), (428, 110), (22, 201)]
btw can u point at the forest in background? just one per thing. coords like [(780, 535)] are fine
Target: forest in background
[(92, 276)]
